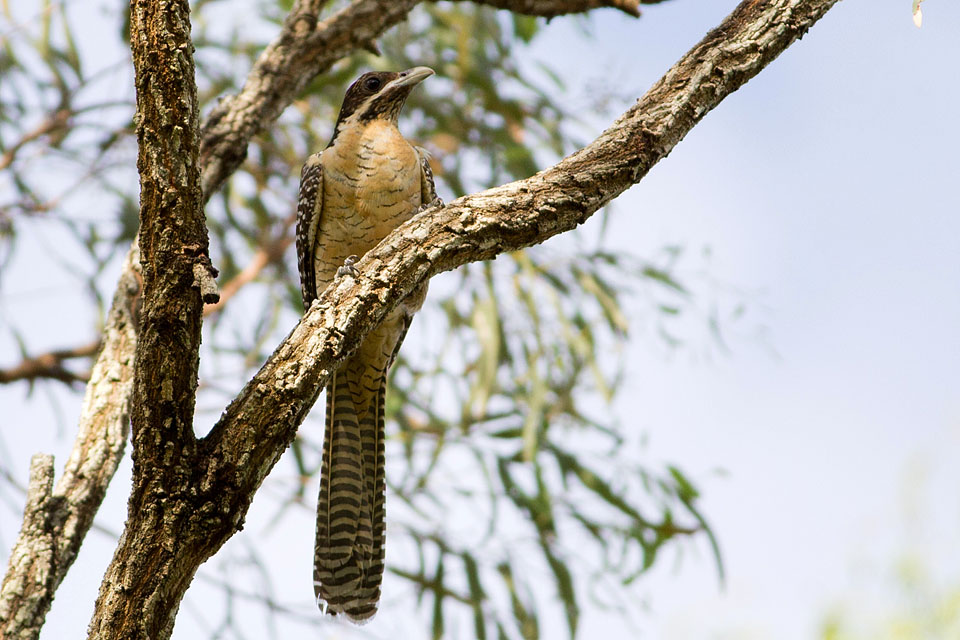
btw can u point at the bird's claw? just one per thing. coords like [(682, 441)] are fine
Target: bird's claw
[(348, 269), (436, 202)]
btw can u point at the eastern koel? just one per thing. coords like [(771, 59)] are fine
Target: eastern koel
[(367, 181)]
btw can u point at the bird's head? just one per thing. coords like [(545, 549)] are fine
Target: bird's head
[(378, 95)]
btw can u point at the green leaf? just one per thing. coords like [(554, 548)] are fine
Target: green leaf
[(565, 587), (477, 595), (524, 27), (663, 278), (438, 595)]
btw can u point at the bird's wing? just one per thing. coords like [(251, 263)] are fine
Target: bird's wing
[(309, 211), (428, 190)]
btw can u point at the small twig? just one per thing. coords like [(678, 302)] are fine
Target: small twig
[(50, 366), (56, 120)]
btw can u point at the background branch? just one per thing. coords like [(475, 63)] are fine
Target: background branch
[(33, 561), (260, 423), (96, 453), (50, 365), (56, 121)]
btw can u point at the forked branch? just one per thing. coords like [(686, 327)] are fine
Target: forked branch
[(262, 420)]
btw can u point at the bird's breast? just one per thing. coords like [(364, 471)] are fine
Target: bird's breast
[(371, 186), (375, 176)]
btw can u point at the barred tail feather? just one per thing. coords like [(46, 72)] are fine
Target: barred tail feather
[(349, 555), (343, 543)]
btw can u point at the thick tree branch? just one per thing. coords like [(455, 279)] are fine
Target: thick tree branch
[(176, 278), (33, 561), (306, 48), (68, 514), (173, 234), (260, 423)]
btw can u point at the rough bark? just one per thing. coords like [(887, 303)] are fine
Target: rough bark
[(232, 461), (133, 600), (33, 560), (48, 543)]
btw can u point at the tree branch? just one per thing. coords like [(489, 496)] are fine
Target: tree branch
[(49, 365), (32, 563), (56, 121), (97, 450), (304, 49), (262, 420), (177, 276)]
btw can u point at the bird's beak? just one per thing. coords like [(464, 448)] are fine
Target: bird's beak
[(413, 77)]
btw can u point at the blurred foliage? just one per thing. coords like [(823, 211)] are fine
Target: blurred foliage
[(911, 592), (515, 494), (924, 613)]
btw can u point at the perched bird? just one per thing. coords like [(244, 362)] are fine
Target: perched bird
[(366, 182)]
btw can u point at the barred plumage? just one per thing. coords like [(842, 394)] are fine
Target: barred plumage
[(309, 207), (365, 183)]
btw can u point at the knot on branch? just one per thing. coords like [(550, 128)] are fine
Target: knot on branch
[(204, 274)]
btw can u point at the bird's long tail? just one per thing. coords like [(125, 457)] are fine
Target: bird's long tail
[(349, 553)]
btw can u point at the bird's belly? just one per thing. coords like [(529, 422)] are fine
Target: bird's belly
[(363, 201)]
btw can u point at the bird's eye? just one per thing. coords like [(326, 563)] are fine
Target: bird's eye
[(372, 84)]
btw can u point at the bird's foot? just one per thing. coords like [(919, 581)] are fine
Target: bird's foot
[(436, 202), (348, 269)]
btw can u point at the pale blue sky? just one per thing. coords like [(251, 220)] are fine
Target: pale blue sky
[(827, 188), (827, 191)]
